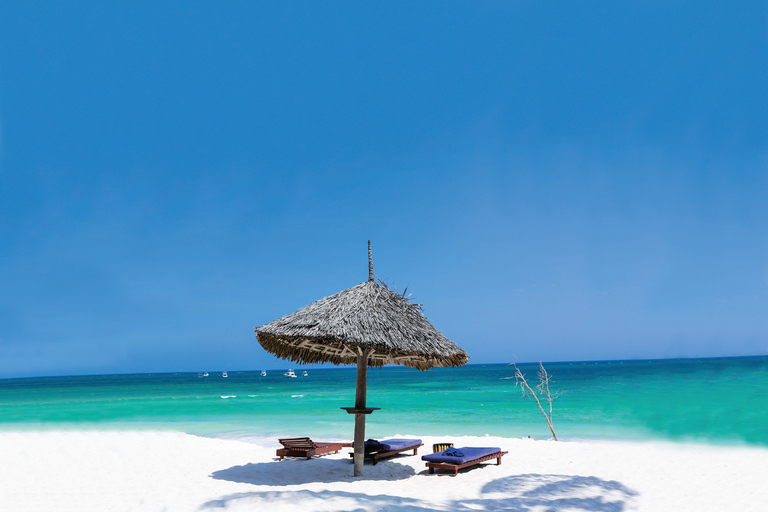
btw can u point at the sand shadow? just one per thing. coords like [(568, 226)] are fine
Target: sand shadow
[(301, 471), (319, 500), (518, 493), (558, 492)]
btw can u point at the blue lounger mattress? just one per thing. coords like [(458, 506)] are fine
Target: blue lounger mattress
[(469, 453), (388, 445)]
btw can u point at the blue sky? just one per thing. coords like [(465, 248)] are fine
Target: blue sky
[(551, 180)]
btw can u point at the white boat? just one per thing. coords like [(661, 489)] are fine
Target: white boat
[(263, 373), (289, 373), (224, 374), (204, 374), (304, 373)]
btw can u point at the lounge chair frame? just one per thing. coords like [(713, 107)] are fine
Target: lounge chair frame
[(377, 456), (305, 447), (456, 467)]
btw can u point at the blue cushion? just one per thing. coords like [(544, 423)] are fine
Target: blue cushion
[(470, 453), (399, 444)]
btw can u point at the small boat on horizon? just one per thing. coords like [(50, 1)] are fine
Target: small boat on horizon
[(204, 374), (304, 373), (224, 374), (290, 373), (263, 373)]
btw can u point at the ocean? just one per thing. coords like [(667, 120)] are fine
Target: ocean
[(717, 401)]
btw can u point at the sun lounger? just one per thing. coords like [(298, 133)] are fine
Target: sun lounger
[(305, 447), (469, 457), (377, 450)]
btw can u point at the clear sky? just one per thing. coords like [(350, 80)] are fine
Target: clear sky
[(551, 180)]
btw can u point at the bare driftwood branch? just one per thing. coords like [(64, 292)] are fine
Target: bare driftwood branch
[(538, 393)]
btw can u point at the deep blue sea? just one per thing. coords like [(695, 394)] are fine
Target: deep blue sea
[(721, 401)]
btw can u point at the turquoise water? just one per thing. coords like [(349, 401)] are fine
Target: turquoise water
[(711, 400)]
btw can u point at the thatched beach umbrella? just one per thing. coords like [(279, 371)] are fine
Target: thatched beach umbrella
[(366, 325)]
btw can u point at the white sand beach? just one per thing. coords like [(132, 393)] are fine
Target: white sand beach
[(164, 471)]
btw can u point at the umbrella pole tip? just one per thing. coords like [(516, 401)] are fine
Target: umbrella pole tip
[(370, 263)]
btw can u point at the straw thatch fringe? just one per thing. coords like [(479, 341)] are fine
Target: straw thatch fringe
[(365, 316)]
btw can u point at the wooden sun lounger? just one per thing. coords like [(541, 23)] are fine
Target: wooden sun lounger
[(377, 456), (456, 467), (305, 447)]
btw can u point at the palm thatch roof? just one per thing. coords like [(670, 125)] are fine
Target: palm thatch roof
[(366, 316)]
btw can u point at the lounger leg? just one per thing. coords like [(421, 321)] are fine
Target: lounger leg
[(498, 461), (431, 471)]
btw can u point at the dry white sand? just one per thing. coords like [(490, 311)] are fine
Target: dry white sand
[(157, 471)]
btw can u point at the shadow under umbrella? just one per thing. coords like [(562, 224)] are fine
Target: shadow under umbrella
[(299, 472)]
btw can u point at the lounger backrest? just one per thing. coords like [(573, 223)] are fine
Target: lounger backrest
[(439, 447), (298, 443)]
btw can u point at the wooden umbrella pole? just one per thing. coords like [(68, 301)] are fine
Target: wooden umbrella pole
[(370, 263), (360, 391)]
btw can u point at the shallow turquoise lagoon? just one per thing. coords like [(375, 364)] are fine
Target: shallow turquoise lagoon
[(719, 401)]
